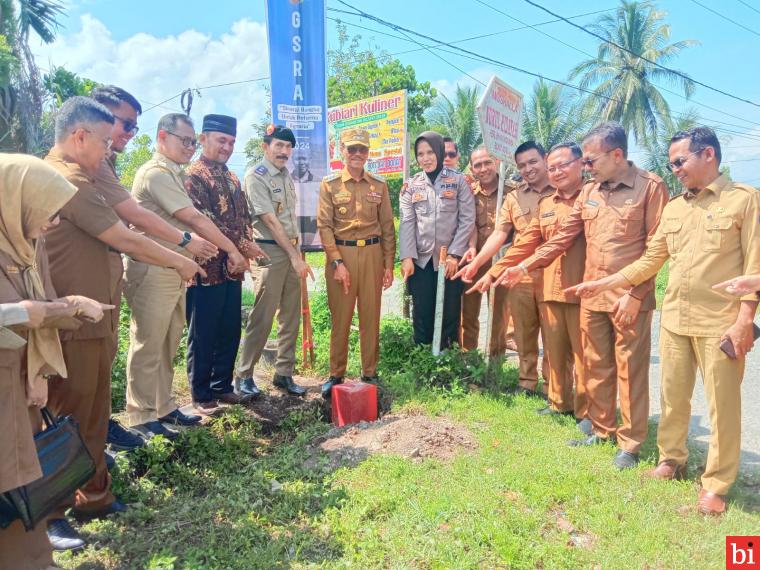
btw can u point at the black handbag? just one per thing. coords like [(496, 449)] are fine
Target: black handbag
[(66, 466)]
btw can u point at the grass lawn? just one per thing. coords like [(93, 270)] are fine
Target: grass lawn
[(523, 499)]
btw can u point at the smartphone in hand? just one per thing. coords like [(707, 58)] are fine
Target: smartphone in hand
[(728, 347)]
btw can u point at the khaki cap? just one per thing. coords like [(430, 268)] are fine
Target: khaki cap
[(354, 136)]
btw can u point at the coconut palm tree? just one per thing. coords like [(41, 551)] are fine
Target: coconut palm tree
[(552, 115), (458, 119), (622, 80), (22, 96)]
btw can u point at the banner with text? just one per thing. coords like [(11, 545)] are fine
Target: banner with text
[(296, 33), (500, 113), (384, 117)]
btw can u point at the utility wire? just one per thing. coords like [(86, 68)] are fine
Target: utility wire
[(750, 6), (610, 42), (726, 18)]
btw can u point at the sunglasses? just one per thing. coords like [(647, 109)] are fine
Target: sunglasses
[(357, 149), (450, 154), (130, 127), (589, 162), (681, 160), (187, 142)]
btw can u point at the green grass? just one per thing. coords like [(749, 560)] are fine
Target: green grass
[(660, 283), (515, 502)]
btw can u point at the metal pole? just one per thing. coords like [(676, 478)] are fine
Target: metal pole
[(492, 293)]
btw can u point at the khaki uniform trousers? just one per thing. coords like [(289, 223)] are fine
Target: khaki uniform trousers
[(523, 304), (561, 325), (22, 550), (277, 288), (86, 395), (681, 357), (365, 269), (616, 362), (471, 317), (156, 296)]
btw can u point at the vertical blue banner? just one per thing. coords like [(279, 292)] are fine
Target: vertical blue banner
[(297, 68)]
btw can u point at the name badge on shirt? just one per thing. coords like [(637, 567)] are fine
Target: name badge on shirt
[(448, 194), (591, 203), (374, 197), (448, 179), (628, 202), (276, 190), (447, 186), (11, 269), (547, 215), (342, 197), (417, 198)]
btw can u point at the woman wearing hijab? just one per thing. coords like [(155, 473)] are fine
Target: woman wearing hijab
[(437, 210), (31, 193)]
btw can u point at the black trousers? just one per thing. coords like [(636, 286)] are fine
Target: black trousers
[(422, 287), (213, 337)]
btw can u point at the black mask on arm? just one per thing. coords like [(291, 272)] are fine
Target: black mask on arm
[(436, 143)]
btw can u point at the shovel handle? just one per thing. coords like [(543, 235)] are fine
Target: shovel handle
[(443, 254)]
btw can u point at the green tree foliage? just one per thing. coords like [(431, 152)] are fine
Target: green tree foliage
[(130, 160), (552, 115), (253, 151), (624, 84), (458, 119), (355, 74), (63, 84)]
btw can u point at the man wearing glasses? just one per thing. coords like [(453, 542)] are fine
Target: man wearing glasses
[(355, 222), (125, 109), (517, 211), (710, 233), (155, 295), (560, 311), (618, 212)]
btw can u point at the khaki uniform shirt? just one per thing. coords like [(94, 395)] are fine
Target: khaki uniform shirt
[(563, 272), (618, 218), (352, 209), (159, 186), (435, 215), (709, 237), (485, 211), (108, 183), (518, 211), (271, 191), (79, 261)]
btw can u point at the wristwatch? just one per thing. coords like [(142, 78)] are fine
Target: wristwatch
[(522, 266), (186, 237), (336, 263)]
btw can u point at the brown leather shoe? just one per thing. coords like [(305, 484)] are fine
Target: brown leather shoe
[(207, 409), (668, 471), (231, 398), (711, 503)]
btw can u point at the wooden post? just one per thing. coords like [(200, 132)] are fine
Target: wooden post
[(492, 292), (307, 334)]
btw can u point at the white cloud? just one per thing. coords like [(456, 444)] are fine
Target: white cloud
[(156, 68), (448, 88)]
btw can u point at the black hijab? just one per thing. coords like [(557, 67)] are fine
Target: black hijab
[(436, 143)]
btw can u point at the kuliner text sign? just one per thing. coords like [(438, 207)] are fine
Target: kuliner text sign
[(500, 113)]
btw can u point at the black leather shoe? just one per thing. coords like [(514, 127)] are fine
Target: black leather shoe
[(593, 439), (110, 461), (371, 379), (179, 418), (328, 386), (547, 411), (585, 425), (63, 536), (625, 459), (122, 439), (287, 384), (154, 428), (247, 387), (115, 508)]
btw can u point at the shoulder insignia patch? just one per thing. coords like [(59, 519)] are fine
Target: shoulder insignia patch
[(331, 177), (376, 176), (260, 169)]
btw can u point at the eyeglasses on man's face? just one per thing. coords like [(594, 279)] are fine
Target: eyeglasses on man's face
[(187, 142), (681, 160), (589, 162), (562, 166)]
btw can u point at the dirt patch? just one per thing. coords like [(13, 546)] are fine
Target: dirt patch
[(417, 437)]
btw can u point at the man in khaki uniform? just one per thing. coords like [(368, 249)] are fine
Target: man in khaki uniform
[(157, 295), (618, 212), (78, 249), (484, 189), (710, 233), (560, 311), (272, 200), (355, 222), (517, 211)]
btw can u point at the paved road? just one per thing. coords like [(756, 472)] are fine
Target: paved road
[(699, 430)]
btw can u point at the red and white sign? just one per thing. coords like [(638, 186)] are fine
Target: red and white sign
[(500, 113)]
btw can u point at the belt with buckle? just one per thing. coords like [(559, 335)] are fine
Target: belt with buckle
[(358, 242), (293, 241)]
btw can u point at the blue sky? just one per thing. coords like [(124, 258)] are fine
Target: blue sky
[(158, 48)]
